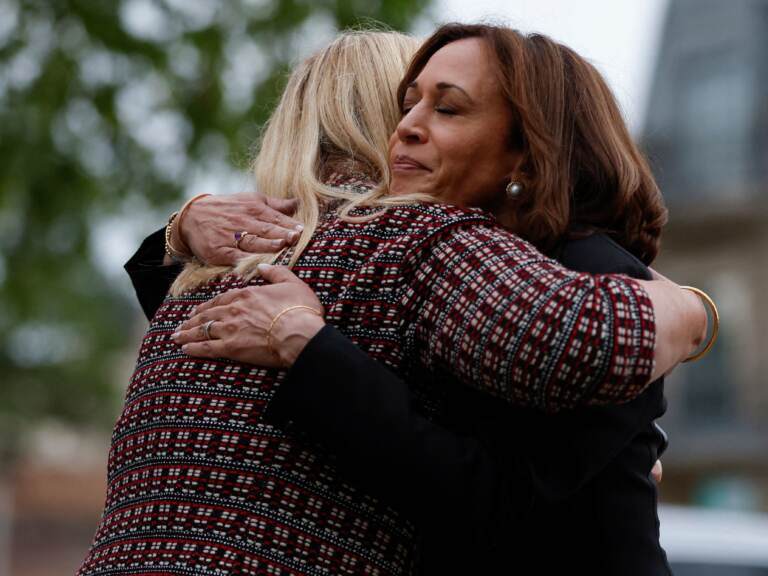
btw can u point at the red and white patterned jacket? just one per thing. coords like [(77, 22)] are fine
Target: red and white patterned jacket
[(200, 483)]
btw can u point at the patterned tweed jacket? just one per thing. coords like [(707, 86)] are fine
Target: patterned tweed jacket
[(200, 483)]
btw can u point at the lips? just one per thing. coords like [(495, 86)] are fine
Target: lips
[(403, 162)]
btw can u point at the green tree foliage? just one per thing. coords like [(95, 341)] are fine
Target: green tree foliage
[(108, 110)]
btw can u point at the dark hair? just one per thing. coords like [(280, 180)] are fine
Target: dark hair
[(581, 169)]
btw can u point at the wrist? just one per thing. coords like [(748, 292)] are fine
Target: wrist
[(172, 250), (293, 332), (700, 322), (697, 319), (178, 237)]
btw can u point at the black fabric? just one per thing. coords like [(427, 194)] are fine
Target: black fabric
[(588, 470), (151, 279), (596, 502), (367, 416), (569, 448), (496, 490)]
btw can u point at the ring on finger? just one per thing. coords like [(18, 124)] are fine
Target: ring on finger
[(239, 237), (207, 329)]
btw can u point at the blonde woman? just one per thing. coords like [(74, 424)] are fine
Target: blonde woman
[(199, 480)]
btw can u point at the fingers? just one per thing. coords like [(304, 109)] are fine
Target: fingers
[(205, 349), (657, 471), (273, 231), (221, 300), (252, 244), (277, 274), (264, 213), (256, 244), (221, 322), (226, 349), (285, 205), (194, 331), (197, 320)]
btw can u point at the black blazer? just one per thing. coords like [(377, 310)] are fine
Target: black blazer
[(495, 489)]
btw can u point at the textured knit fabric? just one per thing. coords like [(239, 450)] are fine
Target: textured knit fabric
[(200, 483)]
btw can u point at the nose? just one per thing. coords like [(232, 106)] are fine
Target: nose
[(411, 129)]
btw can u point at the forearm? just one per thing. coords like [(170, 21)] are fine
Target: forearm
[(150, 274), (517, 325), (513, 323), (681, 323), (365, 415)]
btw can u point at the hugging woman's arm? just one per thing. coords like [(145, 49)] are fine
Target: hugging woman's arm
[(423, 286), (473, 490), (412, 134)]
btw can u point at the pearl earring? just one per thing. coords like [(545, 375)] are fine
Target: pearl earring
[(514, 189)]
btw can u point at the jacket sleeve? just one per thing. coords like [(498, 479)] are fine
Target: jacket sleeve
[(336, 395), (502, 317), (151, 279)]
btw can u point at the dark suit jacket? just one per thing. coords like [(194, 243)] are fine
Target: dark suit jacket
[(495, 489)]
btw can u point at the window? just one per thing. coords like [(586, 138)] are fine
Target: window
[(715, 118)]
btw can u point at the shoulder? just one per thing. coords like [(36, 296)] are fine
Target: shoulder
[(419, 223), (430, 217), (445, 227), (600, 254), (463, 244)]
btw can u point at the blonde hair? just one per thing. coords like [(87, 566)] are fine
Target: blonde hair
[(337, 112)]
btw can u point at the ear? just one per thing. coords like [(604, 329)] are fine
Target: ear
[(515, 162)]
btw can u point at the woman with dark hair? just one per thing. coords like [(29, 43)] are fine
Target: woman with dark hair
[(434, 289)]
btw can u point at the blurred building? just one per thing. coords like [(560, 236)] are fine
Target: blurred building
[(707, 137), (56, 510)]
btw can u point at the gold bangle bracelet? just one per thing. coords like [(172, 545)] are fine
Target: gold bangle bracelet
[(276, 318), (186, 206), (175, 220), (170, 249), (715, 323)]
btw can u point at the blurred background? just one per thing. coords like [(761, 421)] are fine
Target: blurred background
[(112, 113)]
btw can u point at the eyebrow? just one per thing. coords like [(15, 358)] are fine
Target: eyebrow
[(443, 86)]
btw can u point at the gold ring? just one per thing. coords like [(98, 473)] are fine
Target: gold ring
[(715, 323), (239, 238)]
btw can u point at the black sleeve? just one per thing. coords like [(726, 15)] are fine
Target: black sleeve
[(452, 484), (592, 468), (568, 450), (466, 489), (151, 279)]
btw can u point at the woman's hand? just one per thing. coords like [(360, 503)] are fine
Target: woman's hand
[(238, 322), (681, 322), (657, 472), (209, 225)]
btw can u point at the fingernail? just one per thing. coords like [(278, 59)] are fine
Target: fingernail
[(263, 267), (292, 237), (299, 228), (184, 348), (175, 336), (277, 243)]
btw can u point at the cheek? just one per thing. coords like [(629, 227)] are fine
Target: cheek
[(495, 156), (457, 153), (473, 170)]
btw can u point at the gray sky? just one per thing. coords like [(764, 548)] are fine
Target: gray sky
[(619, 36)]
